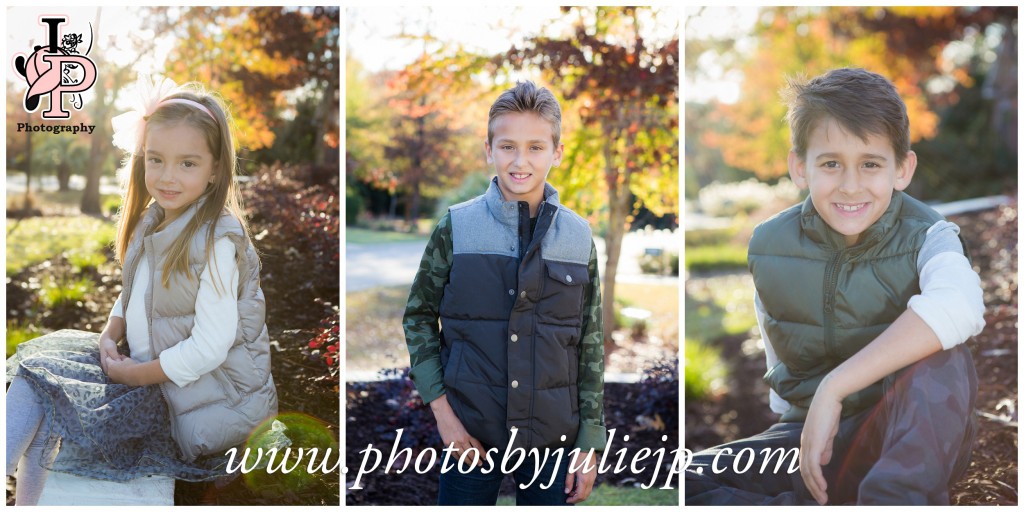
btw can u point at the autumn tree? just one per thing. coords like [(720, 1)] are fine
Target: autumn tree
[(256, 55), (904, 44), (623, 86), (437, 123)]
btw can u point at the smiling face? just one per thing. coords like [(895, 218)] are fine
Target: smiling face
[(522, 151), (850, 180), (179, 166)]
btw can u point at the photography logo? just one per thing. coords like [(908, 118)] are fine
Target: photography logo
[(56, 69)]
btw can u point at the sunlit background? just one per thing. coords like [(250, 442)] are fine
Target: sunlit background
[(419, 83), (956, 69), (277, 70)]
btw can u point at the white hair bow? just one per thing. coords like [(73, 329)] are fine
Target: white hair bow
[(130, 127)]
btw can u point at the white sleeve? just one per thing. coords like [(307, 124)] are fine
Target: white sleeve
[(777, 404), (951, 300), (117, 310), (216, 321)]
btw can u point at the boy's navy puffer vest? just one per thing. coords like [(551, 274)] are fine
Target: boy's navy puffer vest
[(825, 301), (511, 320), (224, 406)]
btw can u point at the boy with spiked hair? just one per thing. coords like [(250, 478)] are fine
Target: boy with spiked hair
[(518, 360), (865, 357)]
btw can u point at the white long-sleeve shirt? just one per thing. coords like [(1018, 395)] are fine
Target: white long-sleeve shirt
[(950, 302), (216, 320)]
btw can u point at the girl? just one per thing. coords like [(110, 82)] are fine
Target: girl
[(197, 380)]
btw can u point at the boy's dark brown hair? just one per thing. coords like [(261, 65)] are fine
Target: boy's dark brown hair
[(861, 102), (527, 97)]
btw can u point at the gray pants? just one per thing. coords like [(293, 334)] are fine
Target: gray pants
[(907, 449)]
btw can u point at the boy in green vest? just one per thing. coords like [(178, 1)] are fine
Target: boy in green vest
[(517, 366), (864, 297)]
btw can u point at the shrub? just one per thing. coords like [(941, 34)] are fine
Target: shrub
[(354, 205), (64, 291), (665, 264), (659, 396), (111, 204), (476, 183), (408, 412), (297, 232), (717, 257), (18, 334), (699, 237), (730, 199), (705, 373), (325, 347)]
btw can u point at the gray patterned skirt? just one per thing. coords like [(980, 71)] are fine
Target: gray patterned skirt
[(106, 431)]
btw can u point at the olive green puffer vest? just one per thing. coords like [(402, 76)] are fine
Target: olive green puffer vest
[(825, 301), (223, 407)]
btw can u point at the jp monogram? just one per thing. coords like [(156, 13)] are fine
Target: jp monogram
[(55, 70)]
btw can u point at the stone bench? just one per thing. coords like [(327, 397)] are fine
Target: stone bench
[(65, 489)]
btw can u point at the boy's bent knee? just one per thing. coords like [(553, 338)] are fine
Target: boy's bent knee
[(946, 378)]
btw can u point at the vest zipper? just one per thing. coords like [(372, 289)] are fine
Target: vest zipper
[(831, 283)]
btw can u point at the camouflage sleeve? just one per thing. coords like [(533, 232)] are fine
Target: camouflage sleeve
[(592, 432), (422, 331)]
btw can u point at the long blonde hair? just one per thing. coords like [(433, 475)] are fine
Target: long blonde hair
[(222, 194)]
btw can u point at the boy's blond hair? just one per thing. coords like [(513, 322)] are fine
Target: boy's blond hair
[(527, 97)]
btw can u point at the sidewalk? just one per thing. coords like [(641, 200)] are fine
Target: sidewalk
[(395, 263)]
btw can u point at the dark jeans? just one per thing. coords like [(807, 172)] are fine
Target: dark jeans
[(907, 449), (478, 488)]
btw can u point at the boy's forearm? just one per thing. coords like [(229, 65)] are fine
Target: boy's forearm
[(420, 322), (906, 341), (592, 432)]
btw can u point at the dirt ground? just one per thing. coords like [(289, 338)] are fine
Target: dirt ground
[(992, 477)]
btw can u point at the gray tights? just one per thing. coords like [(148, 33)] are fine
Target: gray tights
[(27, 457)]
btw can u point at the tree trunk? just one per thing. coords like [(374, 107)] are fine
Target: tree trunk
[(417, 166), (63, 175), (94, 169), (618, 210), (27, 206)]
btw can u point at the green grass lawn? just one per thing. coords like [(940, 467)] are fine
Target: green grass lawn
[(36, 239), (608, 495), (367, 236)]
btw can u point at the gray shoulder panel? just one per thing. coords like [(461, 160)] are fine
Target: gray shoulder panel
[(568, 239), (476, 231)]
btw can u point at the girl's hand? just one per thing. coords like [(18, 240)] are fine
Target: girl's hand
[(108, 349), (579, 483), (121, 370), (820, 429)]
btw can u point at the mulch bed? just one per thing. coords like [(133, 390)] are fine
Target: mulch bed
[(375, 409), (992, 476)]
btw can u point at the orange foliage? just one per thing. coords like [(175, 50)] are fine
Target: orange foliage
[(804, 42)]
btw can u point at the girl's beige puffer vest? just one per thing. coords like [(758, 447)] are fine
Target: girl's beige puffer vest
[(221, 409)]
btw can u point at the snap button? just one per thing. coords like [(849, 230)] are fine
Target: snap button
[(522, 294), (515, 384), (515, 338), (511, 291), (568, 278)]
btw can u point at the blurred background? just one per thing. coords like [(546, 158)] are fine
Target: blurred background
[(277, 69), (419, 83), (956, 69)]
